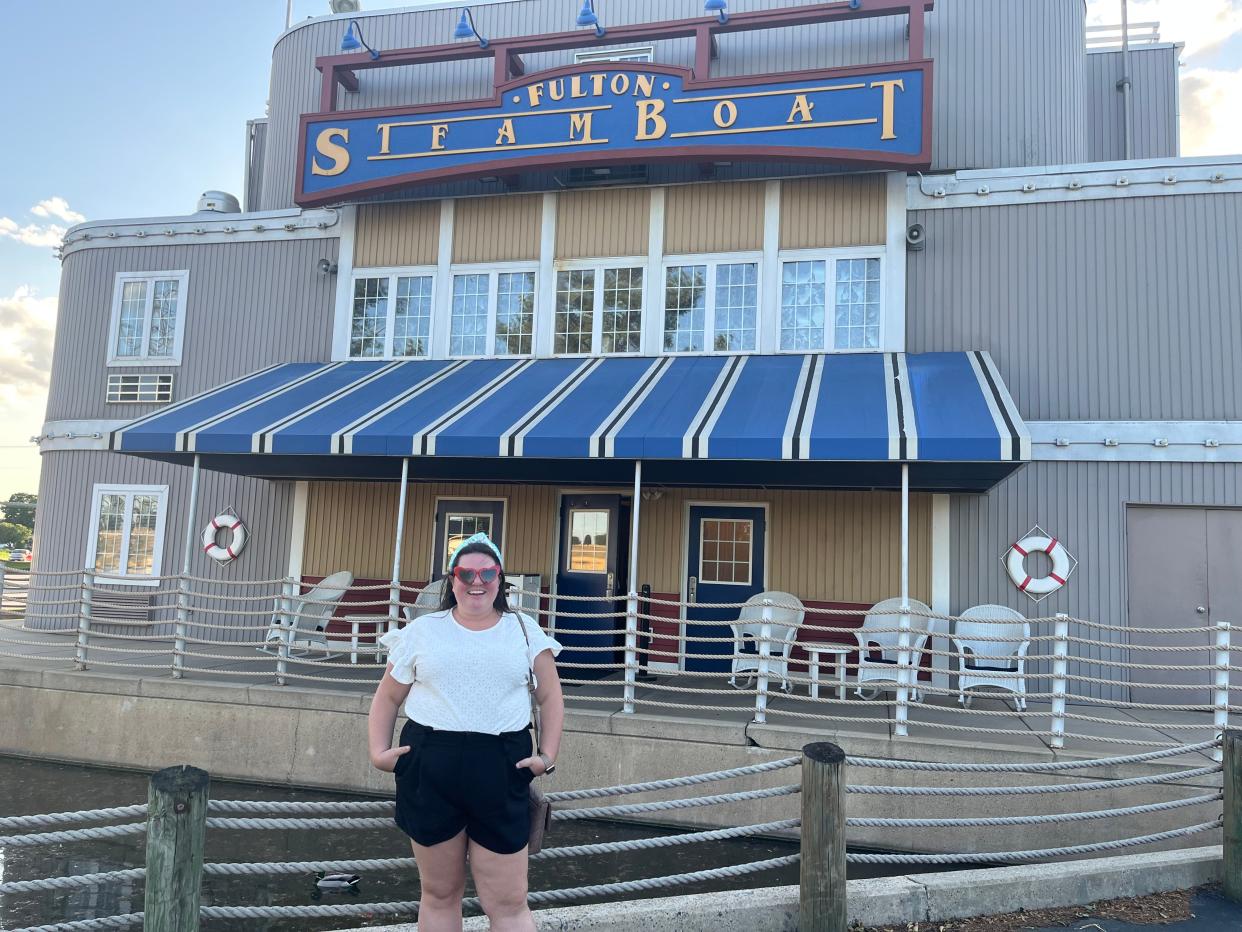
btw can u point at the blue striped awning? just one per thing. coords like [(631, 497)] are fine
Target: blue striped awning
[(858, 407)]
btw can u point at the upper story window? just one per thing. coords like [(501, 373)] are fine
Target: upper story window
[(128, 532), (493, 313), (830, 303), (391, 315), (711, 304), (148, 318), (639, 53), (599, 310)]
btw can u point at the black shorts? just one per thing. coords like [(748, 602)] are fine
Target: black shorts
[(450, 780)]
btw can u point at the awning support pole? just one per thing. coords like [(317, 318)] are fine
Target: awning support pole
[(394, 590), (905, 669), (631, 602), (183, 584)]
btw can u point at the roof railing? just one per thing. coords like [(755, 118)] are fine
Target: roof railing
[(1109, 36)]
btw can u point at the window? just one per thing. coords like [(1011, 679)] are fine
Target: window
[(127, 538), (140, 388), (725, 556), (598, 310), (714, 304), (642, 53), (588, 542), (148, 316), (459, 519), (391, 316), (830, 304), (493, 311)]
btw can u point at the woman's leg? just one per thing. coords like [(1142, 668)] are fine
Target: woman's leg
[(442, 879), (501, 882)]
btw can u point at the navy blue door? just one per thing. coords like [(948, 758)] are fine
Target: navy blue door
[(590, 544), (725, 563)]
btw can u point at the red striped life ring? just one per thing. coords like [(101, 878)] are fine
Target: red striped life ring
[(237, 538), (1015, 565)]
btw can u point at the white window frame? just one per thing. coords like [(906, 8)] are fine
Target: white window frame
[(599, 267), (129, 491), (712, 261), (392, 273), (182, 277), (750, 563), (493, 271), (830, 255), (638, 53)]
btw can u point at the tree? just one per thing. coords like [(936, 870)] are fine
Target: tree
[(20, 509), (15, 535)]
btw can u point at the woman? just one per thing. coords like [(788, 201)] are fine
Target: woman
[(465, 759)]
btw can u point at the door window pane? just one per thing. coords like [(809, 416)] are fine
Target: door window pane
[(515, 313), (857, 305), (468, 332), (803, 294), (109, 532), (459, 527), (588, 542), (623, 311), (737, 303), (411, 323), (725, 551), (575, 311), (685, 302), (370, 317)]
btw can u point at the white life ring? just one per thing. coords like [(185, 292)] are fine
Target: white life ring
[(236, 544), (1015, 564)]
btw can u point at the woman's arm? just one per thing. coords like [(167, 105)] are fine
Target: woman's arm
[(551, 710), (389, 696)]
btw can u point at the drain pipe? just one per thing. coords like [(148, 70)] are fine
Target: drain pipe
[(1124, 85)]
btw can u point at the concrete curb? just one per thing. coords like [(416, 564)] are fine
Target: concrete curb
[(894, 900)]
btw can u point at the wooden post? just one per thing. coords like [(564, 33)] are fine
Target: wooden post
[(176, 824), (1232, 779), (822, 891)]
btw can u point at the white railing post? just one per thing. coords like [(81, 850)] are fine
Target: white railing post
[(286, 633), (765, 654), (179, 630), (1220, 698), (84, 618), (1060, 667), (901, 729), (631, 652)]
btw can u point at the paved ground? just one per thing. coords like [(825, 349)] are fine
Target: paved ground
[(1211, 913)]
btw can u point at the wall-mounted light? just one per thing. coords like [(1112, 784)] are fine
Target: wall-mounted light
[(588, 17), (719, 7), (466, 30), (352, 40), (326, 267)]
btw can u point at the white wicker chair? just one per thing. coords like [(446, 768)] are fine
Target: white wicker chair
[(787, 612), (883, 669), (1001, 664), (302, 625)]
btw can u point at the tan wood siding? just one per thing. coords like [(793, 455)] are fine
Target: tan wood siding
[(594, 224), (351, 525), (397, 234), (497, 229), (823, 546), (713, 218), (847, 210)]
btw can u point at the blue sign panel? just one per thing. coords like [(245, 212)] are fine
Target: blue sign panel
[(619, 113)]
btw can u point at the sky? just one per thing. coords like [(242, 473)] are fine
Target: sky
[(135, 109)]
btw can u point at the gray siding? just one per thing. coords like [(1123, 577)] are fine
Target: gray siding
[(256, 149), (1083, 505), (1009, 85), (1094, 310), (66, 486), (1155, 105), (247, 306)]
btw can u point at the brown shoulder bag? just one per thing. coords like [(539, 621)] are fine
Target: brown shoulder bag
[(540, 808)]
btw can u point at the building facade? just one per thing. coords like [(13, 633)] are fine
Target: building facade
[(1013, 299)]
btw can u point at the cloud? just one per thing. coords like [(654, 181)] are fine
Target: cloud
[(1208, 96), (27, 325), (57, 206)]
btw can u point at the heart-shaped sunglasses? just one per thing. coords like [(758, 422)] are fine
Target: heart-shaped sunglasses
[(467, 576)]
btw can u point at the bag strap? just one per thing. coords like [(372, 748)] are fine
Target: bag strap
[(530, 688)]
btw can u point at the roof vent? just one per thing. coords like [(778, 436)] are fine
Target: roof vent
[(219, 202)]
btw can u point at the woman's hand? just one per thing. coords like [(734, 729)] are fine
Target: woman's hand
[(387, 760), (535, 764)]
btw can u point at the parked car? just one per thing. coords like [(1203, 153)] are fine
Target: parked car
[(19, 556)]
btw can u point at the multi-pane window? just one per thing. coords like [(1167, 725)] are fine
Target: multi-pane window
[(139, 388), (588, 541), (148, 317), (598, 310), (391, 316), (830, 304), (128, 531), (725, 551), (475, 330), (459, 527), (714, 305)]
